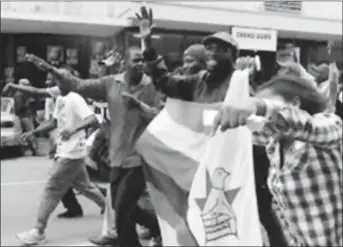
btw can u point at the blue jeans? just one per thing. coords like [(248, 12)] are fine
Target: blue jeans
[(66, 173)]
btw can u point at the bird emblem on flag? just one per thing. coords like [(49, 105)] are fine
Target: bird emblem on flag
[(218, 215)]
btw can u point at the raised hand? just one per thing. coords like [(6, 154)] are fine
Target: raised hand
[(333, 73), (38, 62), (331, 90), (113, 57), (247, 62), (145, 19)]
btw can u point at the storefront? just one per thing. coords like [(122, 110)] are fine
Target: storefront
[(181, 24), (80, 52), (263, 42)]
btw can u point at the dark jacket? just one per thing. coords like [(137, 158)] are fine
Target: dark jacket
[(187, 87)]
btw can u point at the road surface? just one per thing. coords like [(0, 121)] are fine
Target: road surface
[(22, 182)]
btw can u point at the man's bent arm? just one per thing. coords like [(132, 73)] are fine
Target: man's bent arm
[(148, 112), (175, 86), (46, 127), (92, 88), (88, 122), (322, 129)]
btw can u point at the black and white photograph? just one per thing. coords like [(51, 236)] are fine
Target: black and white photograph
[(168, 123)]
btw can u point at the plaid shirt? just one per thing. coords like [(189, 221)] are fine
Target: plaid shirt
[(305, 178)]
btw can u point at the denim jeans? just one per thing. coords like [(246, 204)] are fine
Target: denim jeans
[(66, 173)]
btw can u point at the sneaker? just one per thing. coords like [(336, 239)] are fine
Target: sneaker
[(31, 237), (71, 214), (143, 232), (155, 242), (104, 240)]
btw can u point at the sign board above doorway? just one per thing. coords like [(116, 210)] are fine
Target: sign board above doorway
[(255, 39)]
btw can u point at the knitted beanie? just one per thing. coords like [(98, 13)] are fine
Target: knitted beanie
[(196, 51)]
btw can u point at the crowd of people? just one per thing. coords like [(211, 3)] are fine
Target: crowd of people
[(302, 135)]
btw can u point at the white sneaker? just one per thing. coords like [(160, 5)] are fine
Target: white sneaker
[(31, 237)]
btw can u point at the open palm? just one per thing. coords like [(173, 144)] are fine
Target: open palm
[(38, 62), (146, 24)]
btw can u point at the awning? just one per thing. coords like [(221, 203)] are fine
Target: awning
[(30, 23), (182, 17)]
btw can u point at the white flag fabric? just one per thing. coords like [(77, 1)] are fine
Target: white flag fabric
[(202, 187), (222, 202)]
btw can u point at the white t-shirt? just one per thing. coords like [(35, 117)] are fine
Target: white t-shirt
[(50, 102), (70, 111)]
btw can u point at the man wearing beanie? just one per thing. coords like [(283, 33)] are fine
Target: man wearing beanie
[(194, 59)]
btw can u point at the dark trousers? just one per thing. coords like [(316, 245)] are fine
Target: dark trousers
[(100, 142), (70, 202), (264, 198), (127, 186), (27, 124)]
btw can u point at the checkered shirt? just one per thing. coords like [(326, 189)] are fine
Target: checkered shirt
[(307, 185)]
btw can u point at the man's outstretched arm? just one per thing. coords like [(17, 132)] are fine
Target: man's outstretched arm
[(33, 91), (91, 88)]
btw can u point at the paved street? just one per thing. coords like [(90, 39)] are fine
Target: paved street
[(22, 181)]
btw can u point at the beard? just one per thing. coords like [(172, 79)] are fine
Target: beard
[(219, 70), (192, 70)]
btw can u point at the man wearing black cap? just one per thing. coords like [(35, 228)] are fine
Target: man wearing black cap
[(207, 86)]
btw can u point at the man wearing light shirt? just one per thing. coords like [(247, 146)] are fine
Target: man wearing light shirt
[(50, 93), (71, 117)]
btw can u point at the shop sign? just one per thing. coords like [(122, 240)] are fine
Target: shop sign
[(255, 39)]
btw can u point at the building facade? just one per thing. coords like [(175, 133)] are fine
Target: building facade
[(81, 31)]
